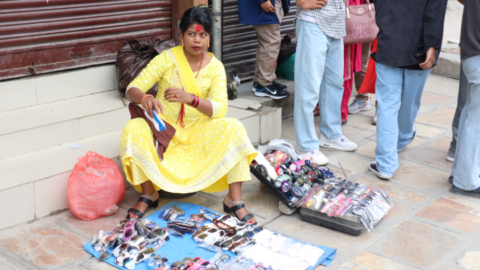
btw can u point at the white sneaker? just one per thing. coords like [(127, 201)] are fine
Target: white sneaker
[(451, 159), (359, 105), (374, 119), (341, 143), (317, 156)]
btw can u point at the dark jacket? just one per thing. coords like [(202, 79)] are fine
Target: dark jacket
[(408, 28), (250, 12)]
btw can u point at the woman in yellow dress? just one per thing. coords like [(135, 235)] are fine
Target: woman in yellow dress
[(208, 151)]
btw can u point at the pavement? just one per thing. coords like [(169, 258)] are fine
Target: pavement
[(428, 227)]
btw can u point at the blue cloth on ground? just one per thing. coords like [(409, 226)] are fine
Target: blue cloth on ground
[(177, 248)]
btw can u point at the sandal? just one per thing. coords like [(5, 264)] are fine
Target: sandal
[(238, 205), (145, 199)]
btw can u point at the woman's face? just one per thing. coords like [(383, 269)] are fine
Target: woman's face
[(196, 39)]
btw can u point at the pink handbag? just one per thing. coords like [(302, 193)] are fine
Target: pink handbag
[(360, 24)]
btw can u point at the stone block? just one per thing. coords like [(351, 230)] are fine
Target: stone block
[(15, 210), (51, 194), (103, 123), (441, 118), (370, 261), (70, 84), (26, 141), (270, 123), (454, 213), (9, 94), (417, 243)]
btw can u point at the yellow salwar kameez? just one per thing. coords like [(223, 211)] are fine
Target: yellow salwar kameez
[(207, 154)]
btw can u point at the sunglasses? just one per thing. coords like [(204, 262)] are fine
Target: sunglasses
[(240, 245), (128, 230), (206, 214), (227, 228), (226, 242), (204, 234)]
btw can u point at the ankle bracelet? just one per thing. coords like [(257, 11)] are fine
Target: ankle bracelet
[(150, 197), (233, 203)]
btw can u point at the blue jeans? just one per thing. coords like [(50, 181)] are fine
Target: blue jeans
[(462, 99), (396, 88), (318, 79), (466, 167)]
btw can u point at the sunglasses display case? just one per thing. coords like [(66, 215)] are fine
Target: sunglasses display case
[(284, 199), (348, 224)]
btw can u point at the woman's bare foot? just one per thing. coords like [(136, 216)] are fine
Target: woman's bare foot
[(240, 212)]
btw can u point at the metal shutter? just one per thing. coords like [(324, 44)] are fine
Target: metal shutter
[(39, 36), (239, 41)]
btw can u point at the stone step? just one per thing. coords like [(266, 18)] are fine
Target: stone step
[(39, 127), (43, 89), (40, 178)]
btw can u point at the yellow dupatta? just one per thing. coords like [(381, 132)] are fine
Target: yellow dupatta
[(189, 82)]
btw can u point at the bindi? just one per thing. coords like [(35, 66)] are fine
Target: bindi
[(198, 28)]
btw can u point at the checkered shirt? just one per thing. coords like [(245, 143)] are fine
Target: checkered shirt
[(331, 18)]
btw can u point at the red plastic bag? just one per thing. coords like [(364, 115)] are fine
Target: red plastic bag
[(95, 187)]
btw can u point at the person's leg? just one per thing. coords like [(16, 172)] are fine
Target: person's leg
[(268, 48), (388, 87), (309, 71), (462, 99), (235, 177), (413, 84), (347, 92), (466, 167), (331, 90), (149, 192), (359, 76)]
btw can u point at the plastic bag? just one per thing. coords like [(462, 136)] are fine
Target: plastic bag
[(95, 187), (279, 144), (288, 46), (134, 56), (286, 68)]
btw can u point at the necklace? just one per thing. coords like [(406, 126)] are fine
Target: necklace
[(201, 61), (182, 108)]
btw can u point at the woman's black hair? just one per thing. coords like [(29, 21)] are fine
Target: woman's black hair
[(200, 15)]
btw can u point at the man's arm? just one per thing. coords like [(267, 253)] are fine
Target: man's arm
[(312, 4)]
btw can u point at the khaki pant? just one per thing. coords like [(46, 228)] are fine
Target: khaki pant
[(359, 76), (268, 48)]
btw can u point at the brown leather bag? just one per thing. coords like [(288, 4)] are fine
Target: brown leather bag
[(360, 24)]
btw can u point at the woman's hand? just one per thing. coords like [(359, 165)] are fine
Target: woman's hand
[(268, 7), (174, 94), (430, 60), (312, 4), (150, 104)]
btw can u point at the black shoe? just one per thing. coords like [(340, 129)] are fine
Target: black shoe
[(279, 85), (471, 193), (450, 179), (272, 91), (344, 123), (150, 204), (373, 168)]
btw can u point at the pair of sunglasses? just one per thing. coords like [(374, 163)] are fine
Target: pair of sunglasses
[(128, 230), (206, 214), (227, 241), (202, 236), (244, 242), (230, 231)]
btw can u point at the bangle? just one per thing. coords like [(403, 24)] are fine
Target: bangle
[(143, 98), (195, 101)]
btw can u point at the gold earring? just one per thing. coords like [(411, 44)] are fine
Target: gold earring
[(208, 44), (183, 44)]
